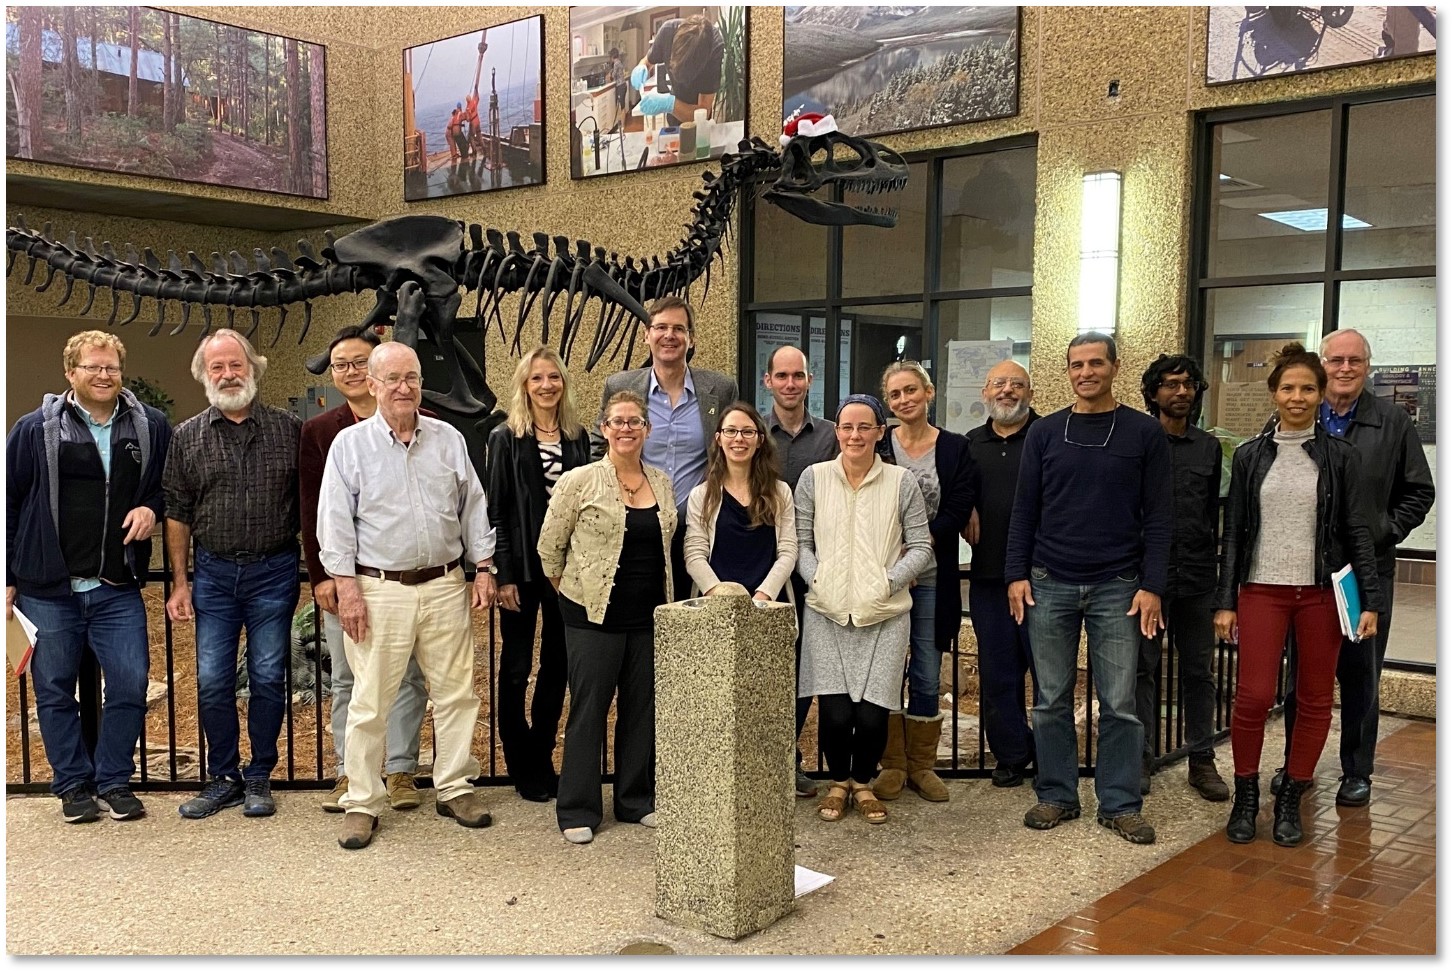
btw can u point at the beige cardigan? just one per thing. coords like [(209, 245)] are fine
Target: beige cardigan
[(698, 540), (585, 526)]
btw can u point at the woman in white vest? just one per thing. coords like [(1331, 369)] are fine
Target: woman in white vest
[(862, 539)]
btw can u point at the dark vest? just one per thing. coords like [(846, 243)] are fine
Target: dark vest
[(92, 507)]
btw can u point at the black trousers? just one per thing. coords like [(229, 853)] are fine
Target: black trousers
[(852, 736), (1005, 659), (1190, 636), (800, 710), (1360, 667), (681, 581), (600, 665), (529, 746)]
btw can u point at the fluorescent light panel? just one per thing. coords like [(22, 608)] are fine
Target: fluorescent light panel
[(1312, 219), (1101, 234)]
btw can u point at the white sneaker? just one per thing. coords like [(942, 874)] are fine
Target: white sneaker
[(649, 820), (579, 836)]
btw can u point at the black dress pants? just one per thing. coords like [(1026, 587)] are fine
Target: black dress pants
[(1005, 661), (529, 746), (600, 665), (1191, 638)]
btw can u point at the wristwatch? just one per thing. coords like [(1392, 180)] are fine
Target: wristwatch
[(490, 569)]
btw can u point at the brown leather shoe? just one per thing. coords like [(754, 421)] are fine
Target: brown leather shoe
[(467, 809), (402, 792), (358, 830), (1202, 774), (332, 802)]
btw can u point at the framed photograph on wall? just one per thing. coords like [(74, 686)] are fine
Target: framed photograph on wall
[(656, 86), (886, 69), (474, 111), (1244, 43), (157, 93)]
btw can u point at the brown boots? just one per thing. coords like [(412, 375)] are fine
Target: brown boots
[(909, 758)]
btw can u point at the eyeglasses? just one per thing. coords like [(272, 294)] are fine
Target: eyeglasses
[(100, 369), (1353, 361), (849, 429), (1172, 385), (629, 423), (394, 378), (728, 433), (357, 365), (673, 329), (1017, 385), (1090, 446)]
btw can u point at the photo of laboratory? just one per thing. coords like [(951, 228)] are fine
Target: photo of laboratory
[(655, 86)]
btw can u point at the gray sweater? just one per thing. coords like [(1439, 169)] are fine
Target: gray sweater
[(1284, 551)]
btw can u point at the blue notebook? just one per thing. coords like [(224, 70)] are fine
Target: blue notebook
[(1346, 594)]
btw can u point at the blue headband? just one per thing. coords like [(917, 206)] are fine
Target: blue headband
[(863, 399)]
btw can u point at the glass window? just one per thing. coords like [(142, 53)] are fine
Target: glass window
[(877, 335), (773, 330), (974, 336), (1247, 326), (987, 216), (790, 259), (1270, 195), (1389, 194), (1398, 319), (879, 260)]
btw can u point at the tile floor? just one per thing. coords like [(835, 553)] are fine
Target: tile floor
[(1362, 882)]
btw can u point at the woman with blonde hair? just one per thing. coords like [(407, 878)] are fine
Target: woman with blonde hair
[(740, 519), (605, 547), (526, 455), (942, 466)]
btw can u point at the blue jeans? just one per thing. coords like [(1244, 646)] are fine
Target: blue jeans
[(1113, 641), (924, 655), (113, 622), (226, 596)]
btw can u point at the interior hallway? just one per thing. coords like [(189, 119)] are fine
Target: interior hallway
[(963, 877)]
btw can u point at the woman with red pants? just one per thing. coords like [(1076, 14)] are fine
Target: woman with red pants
[(1294, 518)]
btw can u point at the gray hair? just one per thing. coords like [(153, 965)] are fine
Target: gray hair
[(1324, 345), (258, 363)]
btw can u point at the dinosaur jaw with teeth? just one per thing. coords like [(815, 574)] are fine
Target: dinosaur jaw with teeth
[(813, 164)]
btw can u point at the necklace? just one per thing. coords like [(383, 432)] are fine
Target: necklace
[(631, 492), (544, 429)]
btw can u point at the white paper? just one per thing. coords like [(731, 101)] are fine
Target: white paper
[(19, 644), (806, 881)]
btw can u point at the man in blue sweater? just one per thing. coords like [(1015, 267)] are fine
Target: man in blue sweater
[(1090, 537), (83, 491)]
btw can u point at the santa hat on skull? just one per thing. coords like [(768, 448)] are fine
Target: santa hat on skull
[(807, 124)]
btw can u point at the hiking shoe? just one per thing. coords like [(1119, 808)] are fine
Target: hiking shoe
[(467, 809), (333, 801), (258, 798), (1044, 815), (1007, 776), (1202, 774), (217, 794), (358, 830), (1131, 827), (78, 805), (804, 786), (402, 792), (121, 803)]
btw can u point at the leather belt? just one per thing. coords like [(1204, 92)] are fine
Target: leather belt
[(252, 557), (412, 576)]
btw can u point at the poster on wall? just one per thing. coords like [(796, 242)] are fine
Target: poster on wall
[(473, 111), (1261, 42), (967, 363), (158, 93), (656, 86), (883, 69)]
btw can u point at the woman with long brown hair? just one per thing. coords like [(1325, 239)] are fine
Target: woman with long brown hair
[(740, 519), (541, 439)]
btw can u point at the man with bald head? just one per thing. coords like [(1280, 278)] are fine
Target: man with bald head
[(399, 511), (1005, 649), (231, 483)]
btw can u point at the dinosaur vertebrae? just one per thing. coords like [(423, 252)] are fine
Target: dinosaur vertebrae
[(493, 265)]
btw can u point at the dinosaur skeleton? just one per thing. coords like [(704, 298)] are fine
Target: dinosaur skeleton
[(421, 268)]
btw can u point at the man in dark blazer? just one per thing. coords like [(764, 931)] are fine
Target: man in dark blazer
[(683, 404), (348, 359)]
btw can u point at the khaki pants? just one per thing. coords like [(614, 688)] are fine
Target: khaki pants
[(431, 623)]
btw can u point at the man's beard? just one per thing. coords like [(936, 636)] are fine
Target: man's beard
[(231, 400), (1009, 415)]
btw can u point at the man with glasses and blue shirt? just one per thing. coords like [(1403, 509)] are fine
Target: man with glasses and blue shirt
[(83, 492), (232, 487), (682, 405), (1090, 537)]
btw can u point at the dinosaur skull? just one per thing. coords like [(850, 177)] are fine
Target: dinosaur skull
[(813, 163)]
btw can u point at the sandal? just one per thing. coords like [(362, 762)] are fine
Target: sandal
[(831, 805), (875, 812)]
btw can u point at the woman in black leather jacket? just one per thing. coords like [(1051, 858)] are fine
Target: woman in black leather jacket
[(540, 439), (1294, 518)]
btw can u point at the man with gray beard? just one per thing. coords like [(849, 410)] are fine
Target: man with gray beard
[(231, 483), (1004, 647)]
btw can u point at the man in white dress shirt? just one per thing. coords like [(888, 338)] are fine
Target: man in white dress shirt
[(399, 506)]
